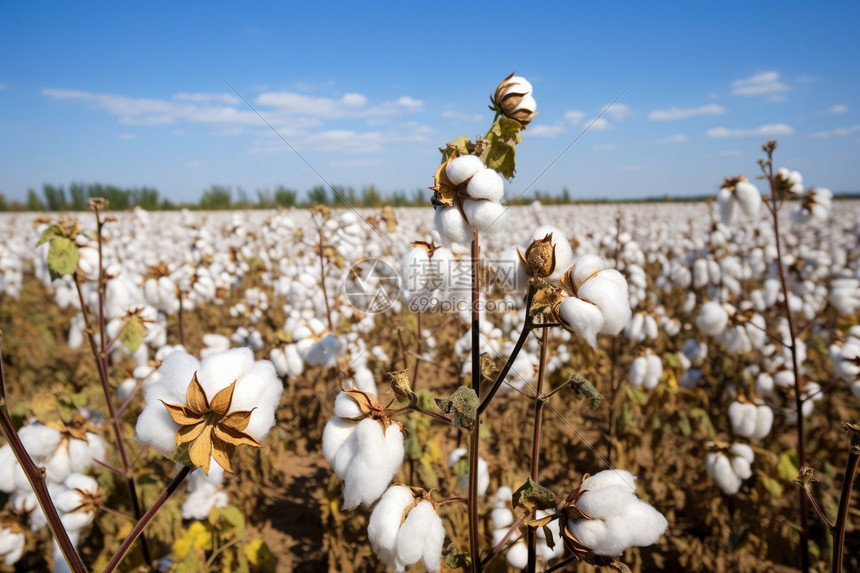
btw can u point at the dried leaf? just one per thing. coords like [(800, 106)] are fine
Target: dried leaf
[(221, 402)]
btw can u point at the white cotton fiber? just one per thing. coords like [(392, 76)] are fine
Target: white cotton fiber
[(420, 536), (486, 184), (606, 501), (586, 267), (384, 522), (346, 406), (452, 227), (461, 168), (608, 478), (584, 318), (486, 216), (335, 435)]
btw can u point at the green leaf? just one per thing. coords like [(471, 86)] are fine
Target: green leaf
[(259, 554), (63, 257), (705, 420), (132, 333), (462, 145), (462, 406), (684, 425), (49, 233), (772, 486), (533, 496), (456, 559), (500, 142), (787, 466)]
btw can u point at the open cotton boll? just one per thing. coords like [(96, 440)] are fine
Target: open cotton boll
[(608, 290), (582, 317), (486, 216), (461, 168), (646, 524), (748, 197), (606, 501), (11, 545), (486, 184), (586, 267), (720, 469), (713, 318), (384, 522), (420, 537), (561, 250), (377, 460), (608, 478), (743, 418), (452, 227), (337, 431)]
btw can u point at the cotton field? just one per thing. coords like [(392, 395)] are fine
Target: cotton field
[(351, 331)]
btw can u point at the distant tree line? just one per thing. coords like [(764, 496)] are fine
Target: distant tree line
[(76, 196)]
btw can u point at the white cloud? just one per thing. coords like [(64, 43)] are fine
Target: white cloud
[(597, 124), (837, 108), (574, 116), (462, 116), (678, 138), (603, 146), (228, 99), (769, 130), (543, 130), (765, 83), (838, 132), (685, 113), (617, 110), (348, 105)]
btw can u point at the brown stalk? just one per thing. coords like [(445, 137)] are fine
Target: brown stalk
[(540, 400), (845, 498), (795, 365), (37, 482), (474, 434)]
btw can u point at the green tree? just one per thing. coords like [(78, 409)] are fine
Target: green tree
[(145, 198), (318, 196), (33, 201), (371, 197), (285, 197), (55, 197), (78, 195), (216, 197)]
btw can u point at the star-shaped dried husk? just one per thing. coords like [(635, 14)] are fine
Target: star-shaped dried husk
[(207, 428), (446, 191), (539, 260), (370, 407)]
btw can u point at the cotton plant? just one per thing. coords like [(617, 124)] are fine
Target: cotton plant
[(729, 466), (604, 517), (426, 273), (60, 448), (203, 409), (363, 445), (12, 541)]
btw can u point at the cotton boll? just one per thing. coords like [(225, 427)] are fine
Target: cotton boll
[(337, 431), (713, 318), (486, 216), (764, 422), (741, 467), (420, 537), (647, 524), (11, 545), (384, 522), (606, 501), (608, 290), (462, 168), (582, 317), (720, 469), (518, 555), (638, 369), (748, 197), (608, 478), (486, 184), (452, 227), (586, 267), (501, 517), (595, 534), (378, 458), (743, 419)]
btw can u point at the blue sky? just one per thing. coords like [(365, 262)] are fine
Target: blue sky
[(367, 92)]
